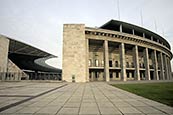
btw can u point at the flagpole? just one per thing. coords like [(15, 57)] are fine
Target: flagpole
[(118, 9), (141, 18), (155, 24)]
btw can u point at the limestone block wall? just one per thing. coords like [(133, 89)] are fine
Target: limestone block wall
[(4, 45), (74, 53)]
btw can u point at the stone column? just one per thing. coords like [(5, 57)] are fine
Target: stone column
[(171, 76), (119, 75), (87, 60), (161, 67), (123, 62), (113, 63), (156, 77), (106, 58), (146, 62), (114, 75), (169, 68), (130, 75), (92, 76), (166, 67), (0, 73), (136, 62), (102, 76)]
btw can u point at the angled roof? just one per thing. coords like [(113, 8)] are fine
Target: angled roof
[(18, 47), (27, 57)]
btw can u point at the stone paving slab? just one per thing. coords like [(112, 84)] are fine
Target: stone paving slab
[(89, 111), (68, 111), (109, 111), (97, 98), (15, 93)]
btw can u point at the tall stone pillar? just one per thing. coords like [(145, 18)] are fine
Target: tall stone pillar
[(161, 66), (74, 51), (169, 68), (87, 60), (114, 76), (106, 58), (92, 76), (156, 77), (166, 67), (4, 47), (146, 62), (123, 62), (136, 62)]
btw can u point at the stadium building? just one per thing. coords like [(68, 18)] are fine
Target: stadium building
[(116, 51), (19, 61)]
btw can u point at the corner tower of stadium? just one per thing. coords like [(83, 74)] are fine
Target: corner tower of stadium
[(114, 51)]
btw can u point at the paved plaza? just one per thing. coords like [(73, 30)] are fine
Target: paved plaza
[(97, 98)]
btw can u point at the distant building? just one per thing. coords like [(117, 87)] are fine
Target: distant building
[(115, 51), (22, 61)]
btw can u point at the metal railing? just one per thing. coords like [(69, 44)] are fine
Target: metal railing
[(44, 76), (15, 76), (12, 76)]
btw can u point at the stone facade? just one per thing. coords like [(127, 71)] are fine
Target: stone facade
[(4, 45), (95, 54), (74, 53)]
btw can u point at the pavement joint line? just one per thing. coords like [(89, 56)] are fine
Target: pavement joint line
[(12, 87), (95, 100), (33, 97), (16, 96), (51, 102), (66, 100), (144, 103), (155, 107), (81, 99), (47, 103), (110, 100), (85, 91), (56, 97), (128, 102), (133, 105), (139, 101), (15, 87)]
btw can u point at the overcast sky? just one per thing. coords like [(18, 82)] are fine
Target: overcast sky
[(40, 22)]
